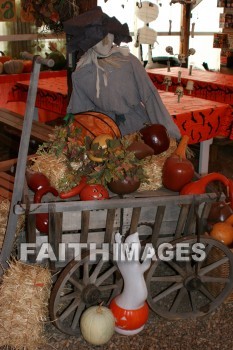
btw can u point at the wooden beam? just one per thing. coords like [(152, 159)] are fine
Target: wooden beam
[(185, 26)]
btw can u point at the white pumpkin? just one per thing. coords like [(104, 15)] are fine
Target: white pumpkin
[(97, 325)]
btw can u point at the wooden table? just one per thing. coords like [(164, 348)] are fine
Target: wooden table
[(200, 119), (212, 86)]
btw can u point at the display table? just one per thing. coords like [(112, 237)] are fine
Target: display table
[(200, 119), (8, 82), (212, 86)]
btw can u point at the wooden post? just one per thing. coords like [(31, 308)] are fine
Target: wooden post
[(185, 26)]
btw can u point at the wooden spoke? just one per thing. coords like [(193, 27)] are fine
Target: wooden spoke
[(167, 291), (77, 315), (212, 266), (108, 287), (205, 291), (177, 268), (85, 273), (96, 272), (105, 275), (178, 299), (69, 309), (172, 278), (76, 283), (69, 296), (214, 279)]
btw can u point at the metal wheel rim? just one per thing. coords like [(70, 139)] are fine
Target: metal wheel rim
[(77, 304), (209, 307)]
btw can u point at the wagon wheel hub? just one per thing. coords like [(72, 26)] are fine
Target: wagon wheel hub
[(90, 294), (192, 283)]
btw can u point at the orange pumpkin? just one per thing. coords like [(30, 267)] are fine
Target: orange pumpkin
[(27, 66), (96, 123), (223, 231), (4, 58)]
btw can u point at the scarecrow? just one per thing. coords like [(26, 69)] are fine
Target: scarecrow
[(108, 78)]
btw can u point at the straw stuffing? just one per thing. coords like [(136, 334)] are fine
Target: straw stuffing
[(24, 295), (4, 212), (153, 168)]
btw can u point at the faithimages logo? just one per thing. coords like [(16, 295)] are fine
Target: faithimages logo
[(116, 252)]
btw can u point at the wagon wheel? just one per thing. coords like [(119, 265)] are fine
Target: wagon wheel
[(82, 283), (190, 289)]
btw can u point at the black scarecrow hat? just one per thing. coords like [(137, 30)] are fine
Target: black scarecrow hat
[(86, 30)]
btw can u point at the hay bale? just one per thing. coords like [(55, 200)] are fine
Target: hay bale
[(24, 296), (4, 213)]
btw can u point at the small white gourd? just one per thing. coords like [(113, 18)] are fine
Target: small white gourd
[(97, 325)]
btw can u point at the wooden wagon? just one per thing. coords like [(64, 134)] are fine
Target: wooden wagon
[(176, 289)]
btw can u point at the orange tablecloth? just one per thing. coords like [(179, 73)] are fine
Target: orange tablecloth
[(8, 89), (208, 85), (200, 119)]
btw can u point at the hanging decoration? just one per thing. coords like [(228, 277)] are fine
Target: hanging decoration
[(7, 11), (50, 13), (147, 12), (26, 13)]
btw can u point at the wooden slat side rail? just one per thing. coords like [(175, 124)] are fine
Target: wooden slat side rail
[(6, 185), (7, 164), (39, 132), (7, 181), (5, 194)]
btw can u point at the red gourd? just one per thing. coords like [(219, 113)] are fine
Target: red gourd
[(199, 186), (36, 180), (75, 190), (42, 220), (177, 169)]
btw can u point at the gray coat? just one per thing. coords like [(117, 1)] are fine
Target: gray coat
[(130, 98)]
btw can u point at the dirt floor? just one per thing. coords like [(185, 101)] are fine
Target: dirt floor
[(211, 332)]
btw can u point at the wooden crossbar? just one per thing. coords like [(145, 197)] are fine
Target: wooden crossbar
[(40, 131)]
